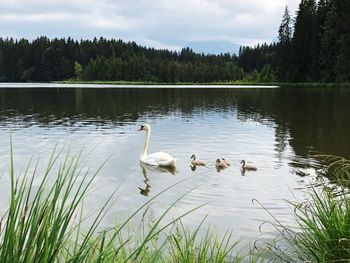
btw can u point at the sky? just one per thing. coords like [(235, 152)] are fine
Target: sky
[(167, 24)]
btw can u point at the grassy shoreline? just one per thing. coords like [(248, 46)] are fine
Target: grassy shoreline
[(44, 224)]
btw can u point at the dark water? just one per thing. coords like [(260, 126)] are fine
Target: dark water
[(276, 129)]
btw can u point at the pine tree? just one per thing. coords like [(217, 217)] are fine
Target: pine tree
[(302, 39), (343, 57), (323, 8), (2, 66), (284, 46), (285, 30), (329, 46)]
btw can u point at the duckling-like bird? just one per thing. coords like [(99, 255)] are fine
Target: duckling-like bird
[(248, 166), (227, 162), (219, 164), (197, 162)]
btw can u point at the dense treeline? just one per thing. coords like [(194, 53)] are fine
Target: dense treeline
[(314, 46), (101, 59)]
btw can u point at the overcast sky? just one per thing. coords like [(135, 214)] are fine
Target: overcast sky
[(159, 23)]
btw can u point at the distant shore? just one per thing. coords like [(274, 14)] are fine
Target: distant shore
[(122, 82), (234, 83), (140, 84)]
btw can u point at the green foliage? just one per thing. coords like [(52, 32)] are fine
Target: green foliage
[(302, 39), (38, 224), (323, 222), (2, 67), (313, 46), (321, 41), (253, 77), (186, 247), (329, 46), (324, 226), (78, 69), (109, 60), (284, 45), (323, 8), (267, 74), (285, 30), (336, 169), (46, 223), (254, 58), (317, 51)]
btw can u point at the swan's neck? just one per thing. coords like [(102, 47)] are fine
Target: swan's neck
[(145, 147)]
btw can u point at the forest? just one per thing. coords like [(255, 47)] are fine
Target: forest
[(313, 46)]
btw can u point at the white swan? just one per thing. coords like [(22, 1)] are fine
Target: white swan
[(155, 159)]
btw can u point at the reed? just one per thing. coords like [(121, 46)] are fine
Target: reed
[(335, 168), (46, 224), (323, 222)]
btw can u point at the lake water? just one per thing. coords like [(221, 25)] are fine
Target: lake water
[(274, 128)]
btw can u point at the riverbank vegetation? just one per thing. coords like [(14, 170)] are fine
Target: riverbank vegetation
[(47, 223), (311, 47), (323, 221)]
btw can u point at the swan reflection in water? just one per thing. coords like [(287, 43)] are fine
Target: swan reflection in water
[(153, 169)]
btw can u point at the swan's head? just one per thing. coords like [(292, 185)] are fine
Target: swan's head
[(218, 161), (145, 127), (243, 162), (193, 156), (223, 159)]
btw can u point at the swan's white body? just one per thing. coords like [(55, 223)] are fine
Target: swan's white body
[(155, 159), (158, 159)]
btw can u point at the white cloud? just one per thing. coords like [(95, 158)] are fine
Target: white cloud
[(162, 23)]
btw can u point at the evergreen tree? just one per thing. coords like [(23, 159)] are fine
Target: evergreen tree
[(317, 49), (329, 46), (285, 30), (284, 47), (2, 66), (343, 56), (302, 39), (323, 8), (101, 59)]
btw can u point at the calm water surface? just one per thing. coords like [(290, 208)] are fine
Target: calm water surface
[(276, 129)]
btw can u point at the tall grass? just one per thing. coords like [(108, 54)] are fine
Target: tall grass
[(37, 226), (323, 222), (335, 168), (46, 225)]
